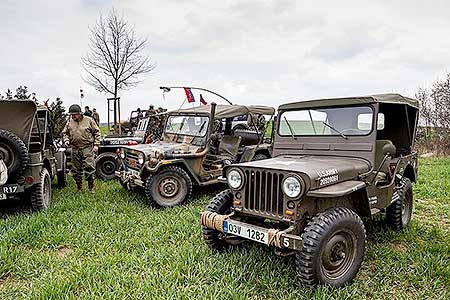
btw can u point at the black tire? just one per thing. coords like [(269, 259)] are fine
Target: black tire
[(399, 213), (169, 187), (61, 176), (333, 248), (106, 165), (220, 204), (14, 153), (259, 156), (41, 193)]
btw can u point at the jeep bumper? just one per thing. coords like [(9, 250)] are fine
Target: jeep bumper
[(267, 236), (130, 178), (9, 190)]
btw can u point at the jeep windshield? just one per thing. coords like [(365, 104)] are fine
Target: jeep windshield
[(336, 121), (187, 125)]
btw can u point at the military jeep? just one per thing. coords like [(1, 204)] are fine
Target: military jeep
[(148, 130), (196, 144), (334, 162), (29, 156)]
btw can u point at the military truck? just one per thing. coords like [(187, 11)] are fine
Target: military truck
[(197, 144), (148, 130), (335, 161), (29, 156)]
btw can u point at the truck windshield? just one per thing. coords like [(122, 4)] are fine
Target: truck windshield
[(187, 125), (343, 121)]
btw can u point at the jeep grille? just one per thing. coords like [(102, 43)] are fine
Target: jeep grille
[(263, 194), (131, 160)]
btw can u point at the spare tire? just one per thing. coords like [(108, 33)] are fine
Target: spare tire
[(14, 153), (249, 137)]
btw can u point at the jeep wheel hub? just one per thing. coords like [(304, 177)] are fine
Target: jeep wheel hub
[(338, 254), (168, 187)]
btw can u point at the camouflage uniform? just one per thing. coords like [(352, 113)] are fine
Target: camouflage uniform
[(83, 136)]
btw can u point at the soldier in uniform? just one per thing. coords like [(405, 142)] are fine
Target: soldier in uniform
[(83, 134), (95, 116)]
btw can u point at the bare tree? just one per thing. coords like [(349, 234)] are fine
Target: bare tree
[(116, 56)]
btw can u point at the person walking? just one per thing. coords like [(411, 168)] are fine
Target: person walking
[(82, 133), (87, 111), (96, 116)]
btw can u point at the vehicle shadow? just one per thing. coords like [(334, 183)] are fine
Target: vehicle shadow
[(12, 207)]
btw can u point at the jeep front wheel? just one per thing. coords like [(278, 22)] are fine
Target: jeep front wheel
[(41, 193), (399, 213), (333, 248), (169, 187), (106, 165), (214, 239)]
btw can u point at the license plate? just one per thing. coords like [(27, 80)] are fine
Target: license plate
[(9, 189), (247, 231), (2, 196)]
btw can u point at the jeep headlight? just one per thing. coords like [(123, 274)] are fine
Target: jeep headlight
[(235, 179), (292, 186), (141, 158), (122, 153)]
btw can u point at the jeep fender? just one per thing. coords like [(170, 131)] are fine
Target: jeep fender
[(355, 193), (173, 162)]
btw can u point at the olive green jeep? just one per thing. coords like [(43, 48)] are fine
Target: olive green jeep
[(29, 156), (197, 143), (335, 161)]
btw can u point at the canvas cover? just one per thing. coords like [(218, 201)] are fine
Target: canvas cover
[(227, 111), (380, 98), (17, 116)]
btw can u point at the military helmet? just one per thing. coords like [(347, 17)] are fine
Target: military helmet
[(74, 109)]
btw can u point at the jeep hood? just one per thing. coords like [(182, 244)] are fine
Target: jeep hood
[(164, 147), (320, 171), (17, 117)]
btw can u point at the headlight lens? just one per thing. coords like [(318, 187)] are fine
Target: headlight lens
[(122, 153), (141, 159), (292, 187), (234, 178)]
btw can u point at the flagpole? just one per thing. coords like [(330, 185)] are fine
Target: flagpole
[(167, 89)]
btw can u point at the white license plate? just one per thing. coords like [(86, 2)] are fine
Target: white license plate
[(2, 196), (246, 231)]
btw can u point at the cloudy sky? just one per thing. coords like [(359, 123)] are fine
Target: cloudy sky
[(252, 52)]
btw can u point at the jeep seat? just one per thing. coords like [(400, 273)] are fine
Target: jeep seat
[(229, 146), (379, 155)]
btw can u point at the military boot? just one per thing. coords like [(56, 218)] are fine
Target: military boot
[(91, 185), (79, 186)]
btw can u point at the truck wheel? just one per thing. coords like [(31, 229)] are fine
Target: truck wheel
[(106, 165), (333, 248), (169, 187), (41, 193), (399, 213), (259, 156), (220, 204), (61, 176), (14, 153)]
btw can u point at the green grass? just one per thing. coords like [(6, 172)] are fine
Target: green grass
[(113, 246)]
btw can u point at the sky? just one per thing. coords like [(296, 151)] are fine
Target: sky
[(252, 52)]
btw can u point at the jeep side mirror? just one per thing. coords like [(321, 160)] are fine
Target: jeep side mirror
[(389, 150)]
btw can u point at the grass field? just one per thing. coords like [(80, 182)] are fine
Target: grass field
[(113, 246)]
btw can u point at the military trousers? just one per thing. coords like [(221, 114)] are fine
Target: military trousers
[(83, 161)]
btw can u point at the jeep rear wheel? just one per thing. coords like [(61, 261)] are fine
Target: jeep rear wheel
[(399, 213), (13, 152), (214, 239), (169, 187), (41, 193), (106, 166), (333, 248)]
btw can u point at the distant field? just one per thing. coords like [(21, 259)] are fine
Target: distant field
[(114, 246)]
